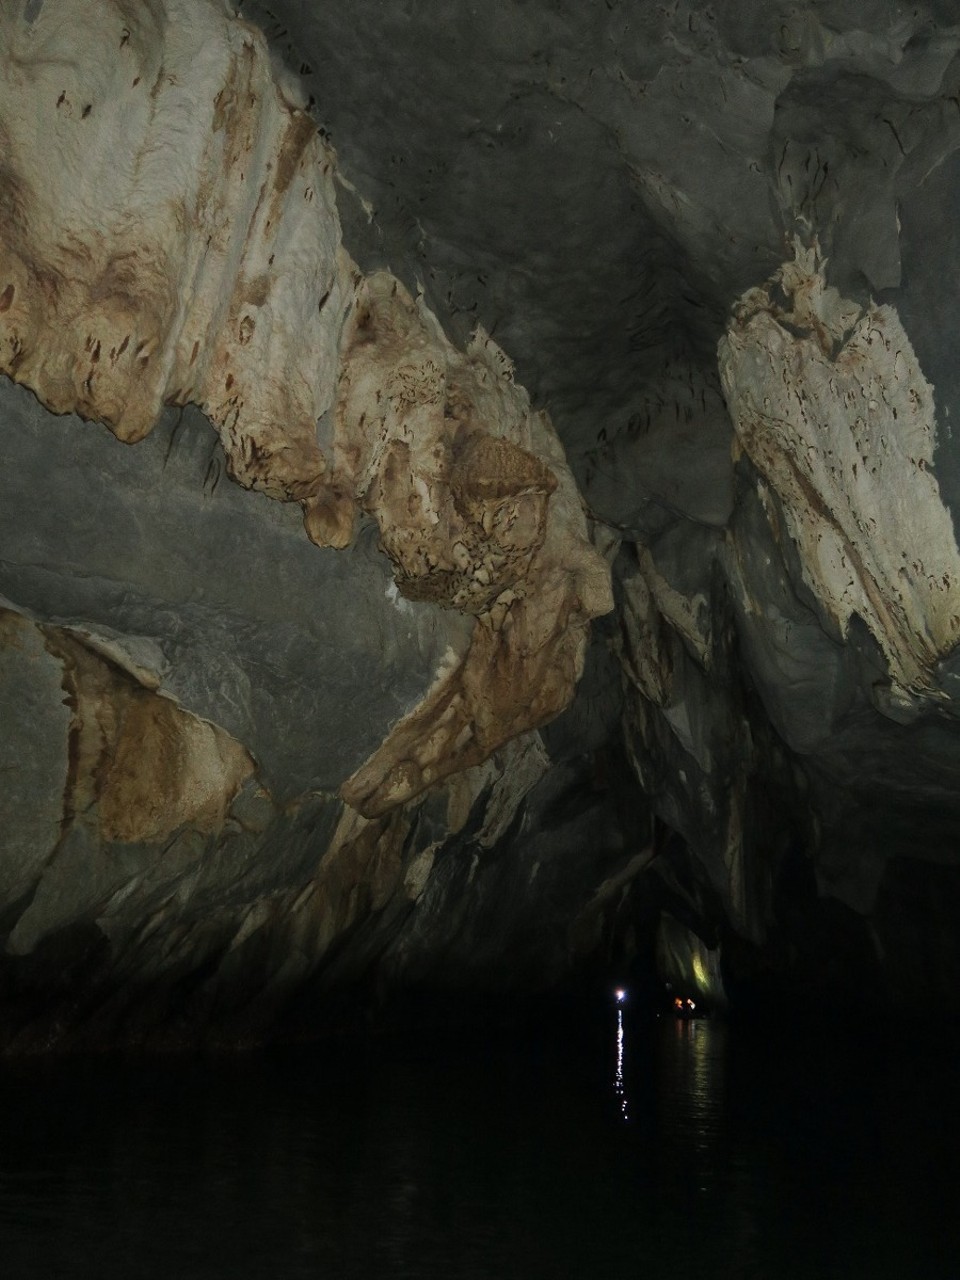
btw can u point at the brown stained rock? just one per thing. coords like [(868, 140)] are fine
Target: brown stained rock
[(436, 446), (513, 679), (182, 244), (443, 451), (329, 517), (360, 873), (169, 769), (137, 761)]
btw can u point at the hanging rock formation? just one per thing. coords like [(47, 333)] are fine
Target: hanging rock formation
[(181, 245), (364, 721), (830, 404), (170, 237)]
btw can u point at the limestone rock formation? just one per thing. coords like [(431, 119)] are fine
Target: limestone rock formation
[(478, 512), (188, 249), (170, 237), (831, 405), (363, 722)]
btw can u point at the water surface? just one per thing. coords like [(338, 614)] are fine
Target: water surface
[(674, 1149)]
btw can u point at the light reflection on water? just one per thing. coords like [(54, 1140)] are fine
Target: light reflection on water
[(692, 1095), (618, 1086), (738, 1157)]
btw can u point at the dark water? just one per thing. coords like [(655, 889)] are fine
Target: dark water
[(716, 1153)]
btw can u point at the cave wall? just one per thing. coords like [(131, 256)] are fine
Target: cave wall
[(229, 715), (298, 583), (188, 682)]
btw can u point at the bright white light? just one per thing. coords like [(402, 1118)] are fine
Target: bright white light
[(620, 994)]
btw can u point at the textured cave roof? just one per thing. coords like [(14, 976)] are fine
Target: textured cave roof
[(596, 184)]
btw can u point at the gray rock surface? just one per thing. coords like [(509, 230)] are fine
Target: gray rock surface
[(760, 772), (215, 593)]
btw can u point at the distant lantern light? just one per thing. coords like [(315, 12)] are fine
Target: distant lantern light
[(620, 994)]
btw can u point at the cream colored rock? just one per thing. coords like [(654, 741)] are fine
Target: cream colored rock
[(831, 405), (169, 233), (478, 511), (168, 230), (437, 447)]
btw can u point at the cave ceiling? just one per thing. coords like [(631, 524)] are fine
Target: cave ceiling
[(596, 185), (591, 371)]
